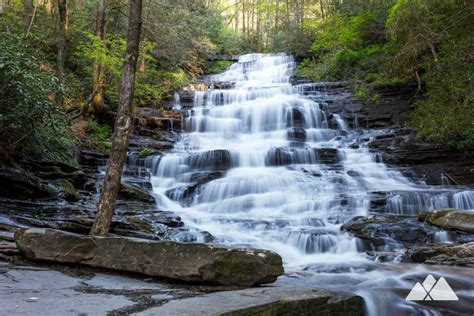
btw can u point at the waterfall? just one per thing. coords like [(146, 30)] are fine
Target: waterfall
[(262, 165)]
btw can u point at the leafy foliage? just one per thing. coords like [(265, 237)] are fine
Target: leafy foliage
[(397, 42), (31, 122)]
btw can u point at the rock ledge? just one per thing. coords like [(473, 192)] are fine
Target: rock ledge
[(189, 262)]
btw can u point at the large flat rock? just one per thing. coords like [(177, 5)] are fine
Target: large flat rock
[(190, 262), (75, 290), (264, 301), (31, 291)]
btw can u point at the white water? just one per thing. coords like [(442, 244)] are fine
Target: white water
[(289, 180)]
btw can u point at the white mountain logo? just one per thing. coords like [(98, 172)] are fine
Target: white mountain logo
[(432, 290)]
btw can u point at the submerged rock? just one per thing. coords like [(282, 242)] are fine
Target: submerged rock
[(450, 219), (191, 262)]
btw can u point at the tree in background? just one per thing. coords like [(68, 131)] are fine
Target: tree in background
[(123, 125), (98, 76), (62, 34)]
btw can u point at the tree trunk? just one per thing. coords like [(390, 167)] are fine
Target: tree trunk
[(62, 32), (98, 79), (258, 35), (236, 16), (30, 25), (123, 125), (277, 15), (321, 7), (244, 30)]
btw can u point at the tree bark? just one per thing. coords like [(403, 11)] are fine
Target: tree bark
[(244, 29), (98, 79), (321, 7), (62, 33), (123, 125), (33, 15)]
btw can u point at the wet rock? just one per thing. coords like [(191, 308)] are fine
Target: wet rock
[(430, 162), (378, 230), (297, 118), (133, 192), (92, 159), (163, 120), (20, 185), (265, 301), (186, 262), (186, 193), (186, 97), (450, 219), (462, 254), (70, 192), (185, 234), (328, 155), (155, 143), (224, 85), (219, 159), (393, 107), (296, 134)]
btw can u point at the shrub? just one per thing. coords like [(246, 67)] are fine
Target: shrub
[(31, 123)]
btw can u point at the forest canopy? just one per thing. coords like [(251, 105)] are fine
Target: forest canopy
[(45, 88)]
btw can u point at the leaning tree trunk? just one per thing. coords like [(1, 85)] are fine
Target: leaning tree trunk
[(62, 32), (123, 125), (98, 79)]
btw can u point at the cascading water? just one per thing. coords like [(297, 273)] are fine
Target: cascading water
[(261, 165)]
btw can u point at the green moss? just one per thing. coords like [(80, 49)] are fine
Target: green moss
[(70, 191), (366, 94), (141, 223), (145, 152)]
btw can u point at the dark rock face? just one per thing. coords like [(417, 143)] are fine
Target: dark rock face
[(163, 120), (71, 201), (224, 85), (297, 134), (185, 262), (218, 159), (380, 230), (134, 192), (450, 219), (462, 254), (19, 185), (428, 161), (186, 193)]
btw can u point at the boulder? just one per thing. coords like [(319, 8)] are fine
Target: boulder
[(462, 254), (380, 230), (450, 219), (191, 262)]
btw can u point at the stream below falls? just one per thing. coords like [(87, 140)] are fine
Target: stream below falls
[(264, 164)]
